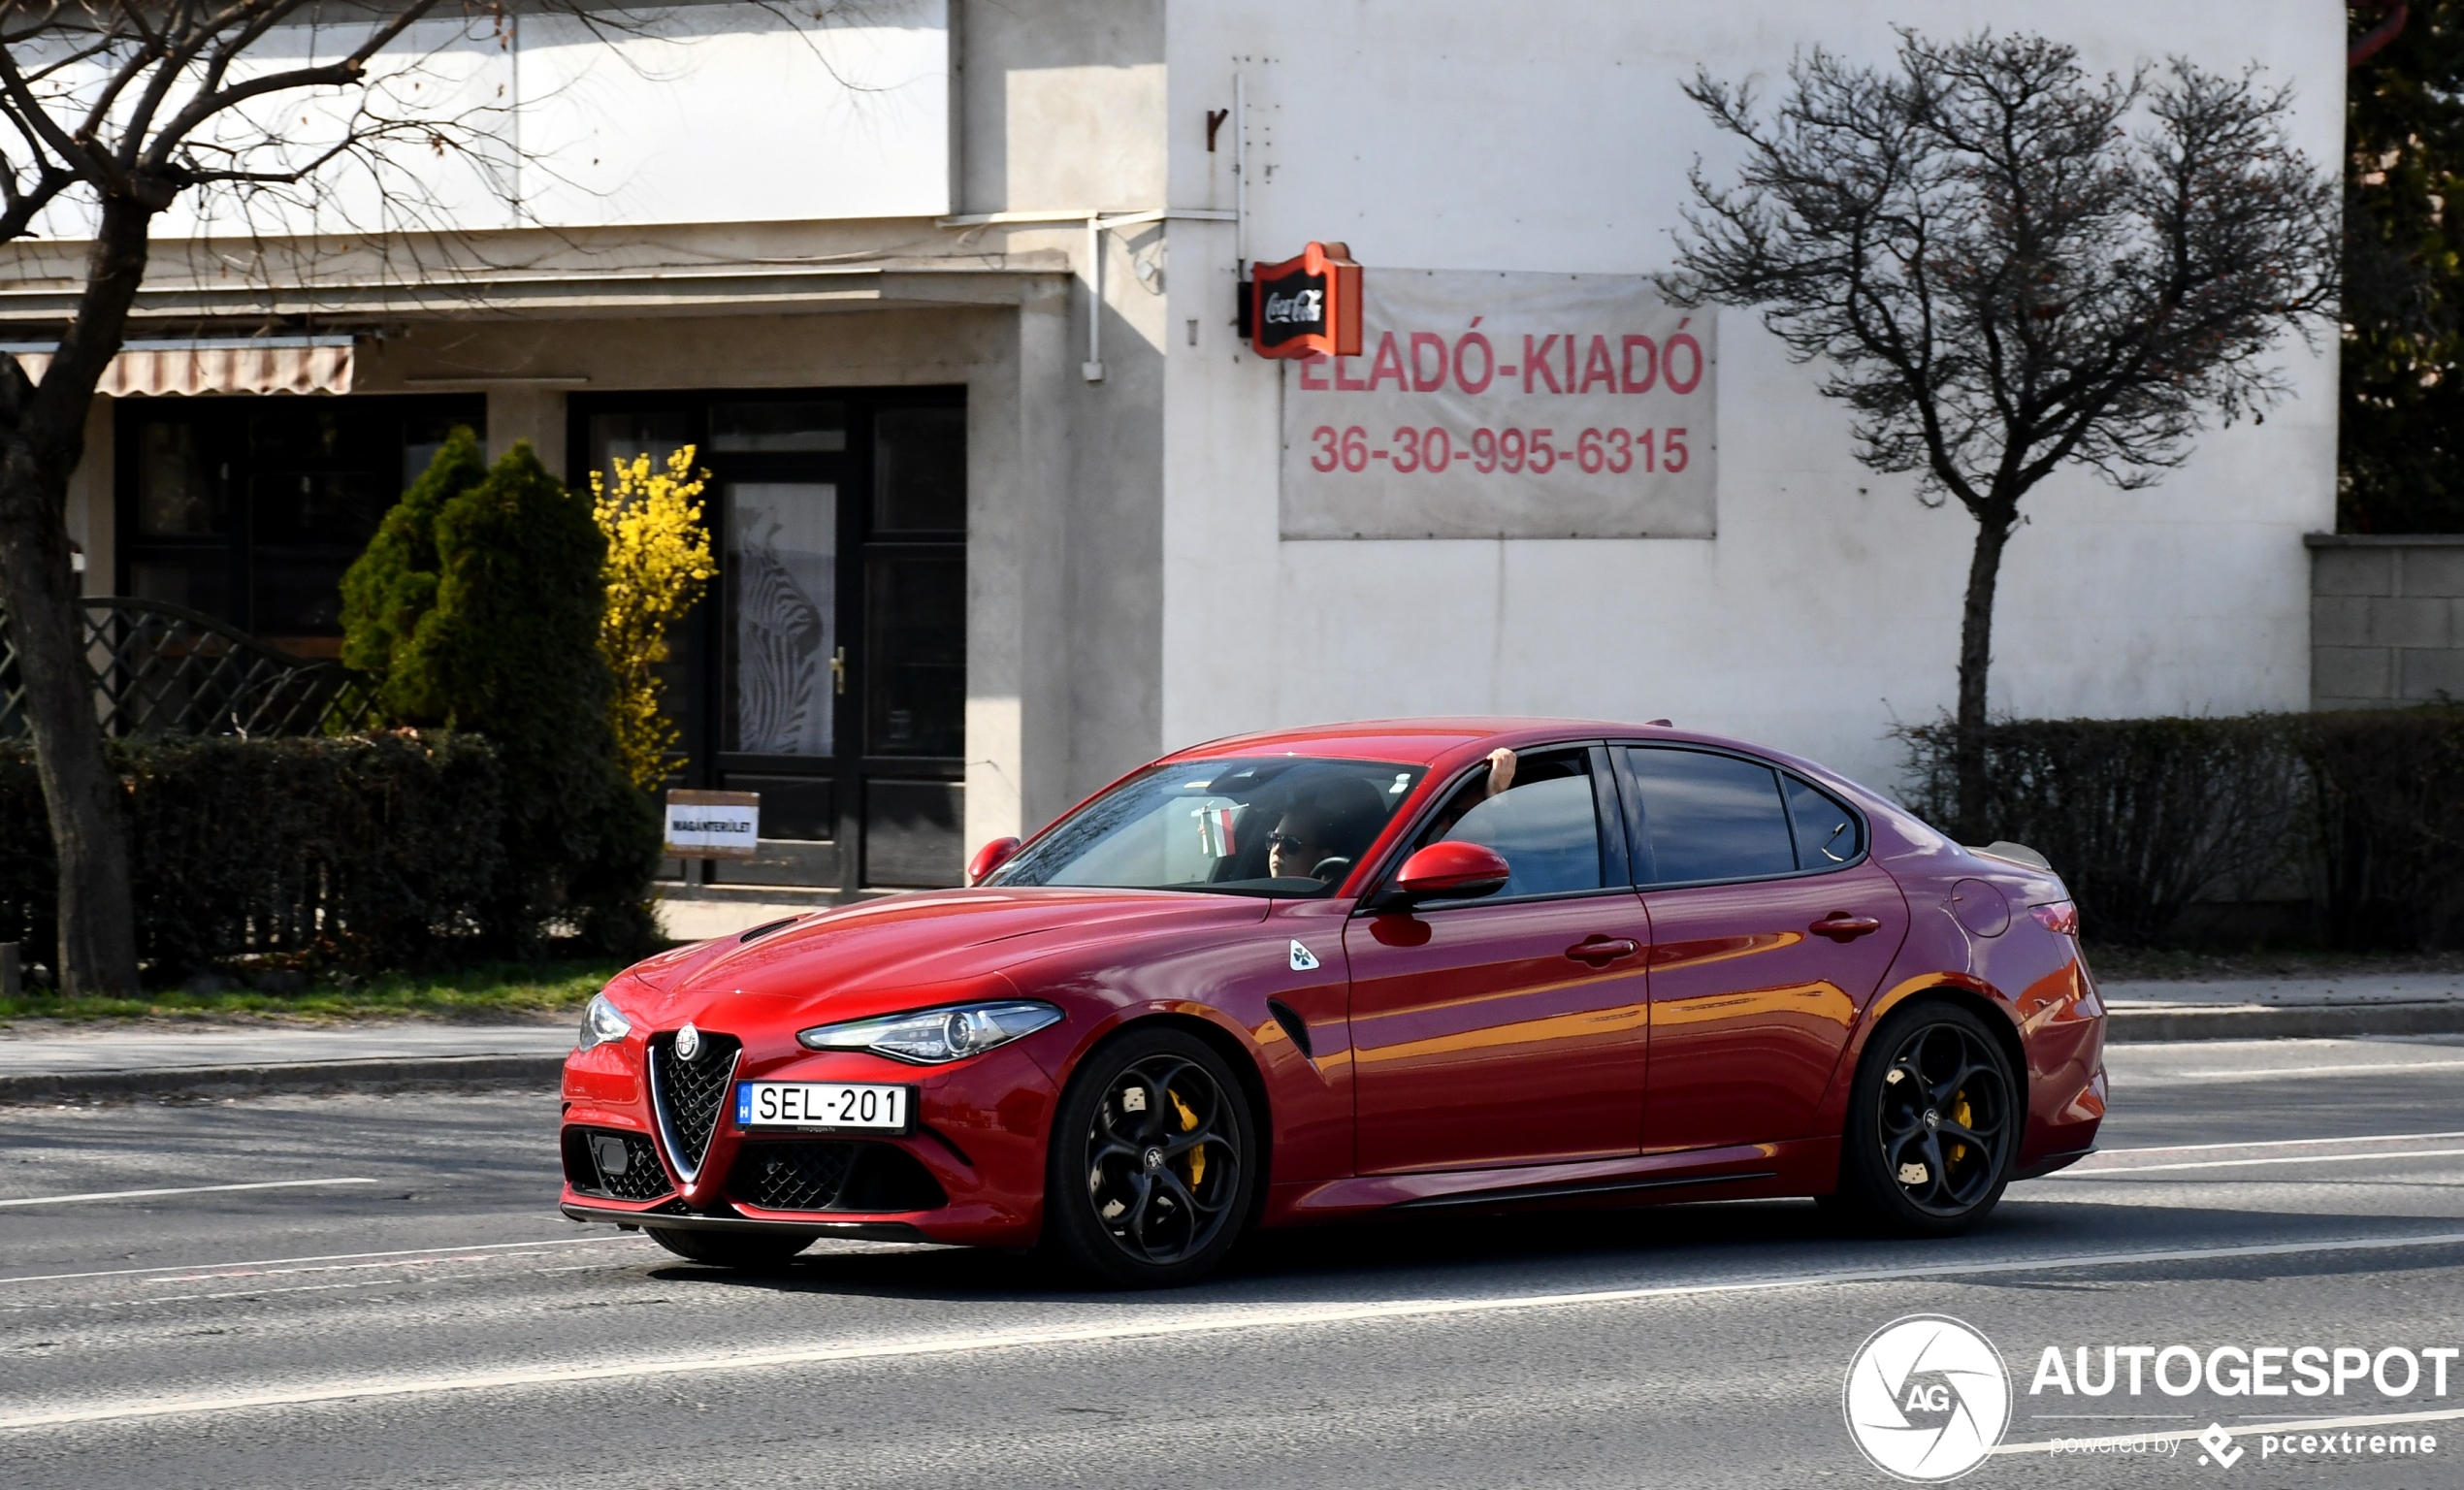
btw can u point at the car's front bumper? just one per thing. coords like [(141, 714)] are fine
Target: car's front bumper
[(979, 1134)]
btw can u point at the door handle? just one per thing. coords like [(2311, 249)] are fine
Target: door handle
[(1601, 950), (1840, 926)]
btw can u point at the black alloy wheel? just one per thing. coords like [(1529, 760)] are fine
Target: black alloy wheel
[(1151, 1176), (750, 1250), (1932, 1126)]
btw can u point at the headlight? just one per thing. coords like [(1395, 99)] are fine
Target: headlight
[(601, 1024), (930, 1036)]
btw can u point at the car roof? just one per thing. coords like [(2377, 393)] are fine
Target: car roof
[(1449, 742), (1433, 741)]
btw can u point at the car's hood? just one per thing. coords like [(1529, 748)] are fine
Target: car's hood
[(868, 957)]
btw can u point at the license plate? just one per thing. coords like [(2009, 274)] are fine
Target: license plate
[(822, 1105)]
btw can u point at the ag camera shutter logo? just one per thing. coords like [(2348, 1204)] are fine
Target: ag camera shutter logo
[(1928, 1397)]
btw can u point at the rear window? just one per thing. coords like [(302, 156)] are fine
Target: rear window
[(1707, 817), (1715, 817)]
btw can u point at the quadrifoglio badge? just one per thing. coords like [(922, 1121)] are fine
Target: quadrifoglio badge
[(1928, 1398)]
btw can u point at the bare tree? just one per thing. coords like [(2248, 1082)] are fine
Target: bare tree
[(2011, 267), (111, 113)]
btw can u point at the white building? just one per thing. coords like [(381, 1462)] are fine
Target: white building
[(854, 263)]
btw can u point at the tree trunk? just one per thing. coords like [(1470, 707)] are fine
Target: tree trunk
[(1976, 660), (89, 832), (41, 439)]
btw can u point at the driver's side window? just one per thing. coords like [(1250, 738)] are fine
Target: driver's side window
[(1546, 825)]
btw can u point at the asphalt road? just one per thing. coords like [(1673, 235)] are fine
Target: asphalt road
[(397, 1303)]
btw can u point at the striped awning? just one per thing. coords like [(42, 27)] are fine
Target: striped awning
[(235, 365)]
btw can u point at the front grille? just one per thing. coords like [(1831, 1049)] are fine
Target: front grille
[(690, 1094), (825, 1175), (614, 1163)]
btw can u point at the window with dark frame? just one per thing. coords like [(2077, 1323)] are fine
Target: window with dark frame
[(250, 508)]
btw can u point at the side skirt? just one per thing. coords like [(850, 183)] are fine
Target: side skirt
[(1743, 1172)]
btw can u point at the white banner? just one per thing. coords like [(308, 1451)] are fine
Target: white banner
[(1513, 406)]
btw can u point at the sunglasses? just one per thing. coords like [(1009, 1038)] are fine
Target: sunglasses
[(1284, 840)]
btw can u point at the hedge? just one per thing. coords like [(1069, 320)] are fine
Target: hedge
[(361, 852), (2361, 813)]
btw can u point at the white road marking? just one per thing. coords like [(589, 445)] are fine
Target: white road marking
[(2305, 1073), (2290, 1158), (184, 1190), (242, 1293), (1209, 1321), (2286, 1143), (270, 1262), (2249, 1430)]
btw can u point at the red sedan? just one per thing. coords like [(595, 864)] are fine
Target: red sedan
[(1418, 964)]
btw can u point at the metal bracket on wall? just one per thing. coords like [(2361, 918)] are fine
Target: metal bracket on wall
[(1098, 224)]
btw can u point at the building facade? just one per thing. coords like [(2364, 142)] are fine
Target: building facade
[(942, 294)]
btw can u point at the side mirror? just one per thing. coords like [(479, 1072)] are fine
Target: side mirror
[(992, 855), (1452, 869)]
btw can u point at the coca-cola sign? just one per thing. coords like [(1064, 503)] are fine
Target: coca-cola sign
[(1307, 305)]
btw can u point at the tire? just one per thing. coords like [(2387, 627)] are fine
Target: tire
[(751, 1250), (1153, 1164), (1934, 1125)]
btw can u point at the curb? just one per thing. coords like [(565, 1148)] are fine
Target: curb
[(2261, 1022), (377, 1075)]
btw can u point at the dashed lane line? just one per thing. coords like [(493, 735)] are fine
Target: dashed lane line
[(2286, 1143), (2245, 1431), (182, 1189), (2119, 1171), (273, 1262), (2307, 1073)]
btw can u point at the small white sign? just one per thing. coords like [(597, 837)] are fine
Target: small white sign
[(1303, 960), (714, 825)]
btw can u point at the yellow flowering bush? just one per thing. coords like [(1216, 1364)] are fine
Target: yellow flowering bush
[(657, 564)]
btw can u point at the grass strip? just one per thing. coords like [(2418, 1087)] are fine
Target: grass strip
[(500, 992)]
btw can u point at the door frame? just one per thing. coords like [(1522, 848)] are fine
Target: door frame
[(697, 697)]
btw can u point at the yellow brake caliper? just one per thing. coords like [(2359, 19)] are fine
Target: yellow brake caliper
[(1188, 1125), (1962, 1115)]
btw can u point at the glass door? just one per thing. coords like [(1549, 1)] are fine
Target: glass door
[(781, 671)]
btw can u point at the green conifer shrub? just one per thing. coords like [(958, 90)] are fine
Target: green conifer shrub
[(507, 647)]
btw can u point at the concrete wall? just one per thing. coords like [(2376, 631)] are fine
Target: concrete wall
[(2386, 620), (1448, 134), (1063, 112)]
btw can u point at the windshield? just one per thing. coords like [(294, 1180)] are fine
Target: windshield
[(1285, 826)]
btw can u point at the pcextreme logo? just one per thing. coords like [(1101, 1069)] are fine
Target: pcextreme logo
[(1928, 1397)]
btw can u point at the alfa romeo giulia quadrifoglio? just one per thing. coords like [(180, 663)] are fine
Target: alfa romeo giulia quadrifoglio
[(1423, 965)]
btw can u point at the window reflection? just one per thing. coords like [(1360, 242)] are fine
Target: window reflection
[(1710, 817)]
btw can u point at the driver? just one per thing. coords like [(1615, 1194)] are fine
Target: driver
[(1324, 829)]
